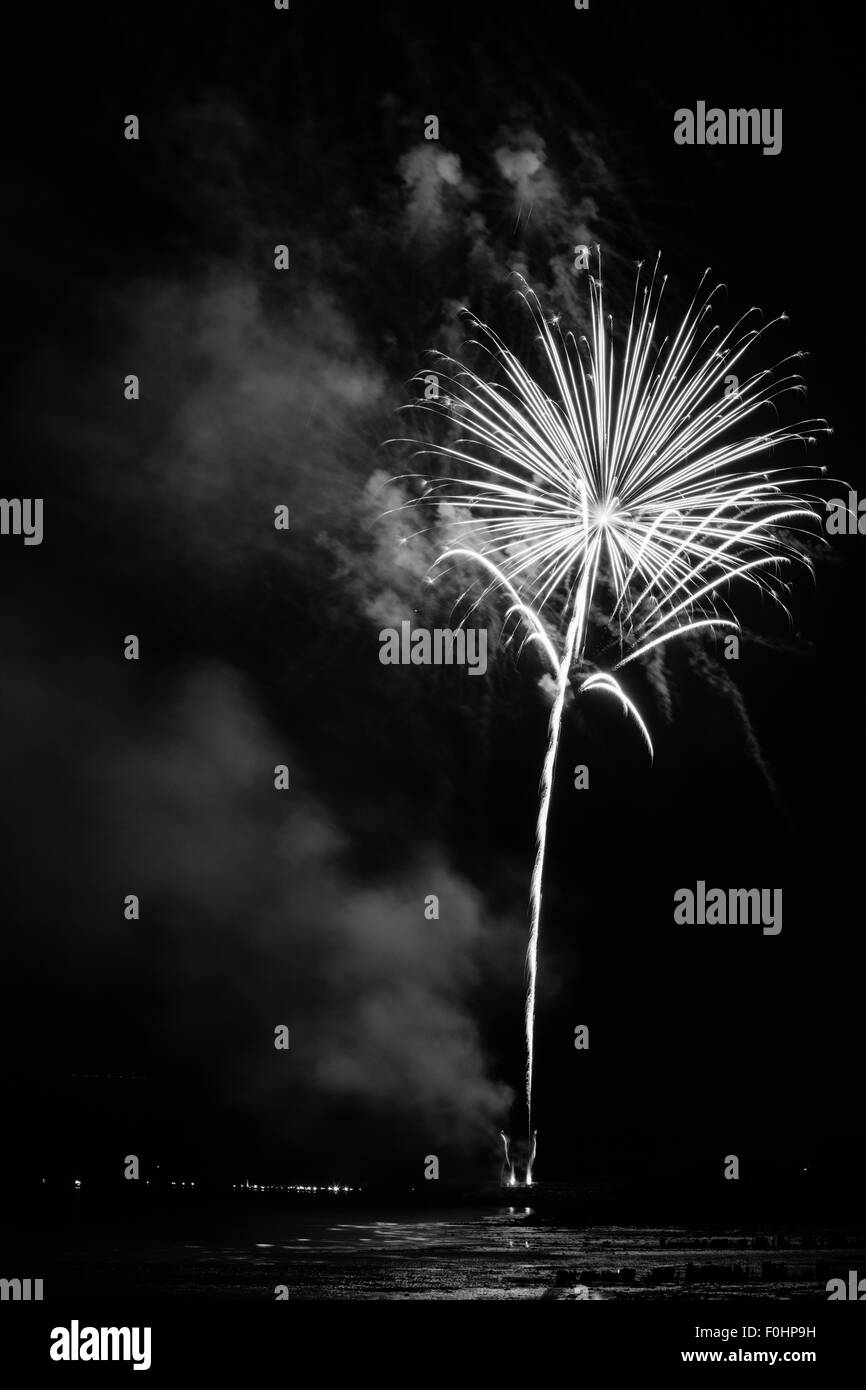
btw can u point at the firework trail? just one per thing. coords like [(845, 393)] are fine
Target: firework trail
[(509, 1164), (619, 498)]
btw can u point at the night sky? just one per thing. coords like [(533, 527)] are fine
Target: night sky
[(260, 647)]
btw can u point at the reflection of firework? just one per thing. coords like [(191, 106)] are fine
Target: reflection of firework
[(620, 497), (532, 1147)]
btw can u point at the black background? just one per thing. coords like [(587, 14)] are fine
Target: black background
[(260, 127)]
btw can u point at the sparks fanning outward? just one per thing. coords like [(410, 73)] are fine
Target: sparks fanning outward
[(619, 494), (508, 1163)]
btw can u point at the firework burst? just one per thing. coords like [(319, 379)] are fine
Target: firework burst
[(620, 498)]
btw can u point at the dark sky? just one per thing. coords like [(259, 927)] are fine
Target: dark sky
[(259, 647)]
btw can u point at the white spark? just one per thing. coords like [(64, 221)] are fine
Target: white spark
[(621, 492)]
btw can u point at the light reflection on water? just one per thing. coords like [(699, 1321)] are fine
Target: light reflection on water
[(500, 1254), (622, 1261)]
